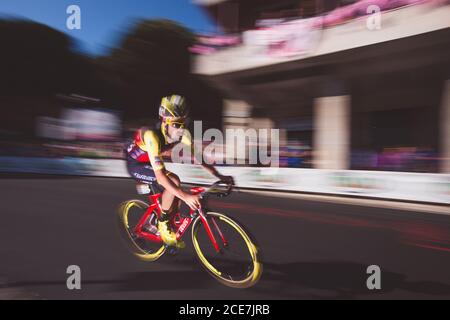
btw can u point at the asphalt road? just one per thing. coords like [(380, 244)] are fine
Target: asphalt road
[(312, 250)]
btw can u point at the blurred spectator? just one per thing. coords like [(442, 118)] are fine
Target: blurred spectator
[(405, 159), (207, 44), (275, 25), (296, 155)]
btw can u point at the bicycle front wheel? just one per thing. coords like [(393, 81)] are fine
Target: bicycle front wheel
[(237, 264)]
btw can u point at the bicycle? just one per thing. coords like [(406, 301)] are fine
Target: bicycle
[(139, 229)]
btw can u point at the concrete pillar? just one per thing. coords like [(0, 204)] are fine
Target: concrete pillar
[(236, 115), (445, 129), (332, 133)]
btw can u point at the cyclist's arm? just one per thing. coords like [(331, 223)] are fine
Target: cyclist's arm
[(187, 140), (212, 170), (153, 148)]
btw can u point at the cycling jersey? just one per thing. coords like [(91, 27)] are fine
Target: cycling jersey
[(149, 146)]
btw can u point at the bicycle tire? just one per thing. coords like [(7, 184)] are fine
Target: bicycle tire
[(250, 279), (124, 229)]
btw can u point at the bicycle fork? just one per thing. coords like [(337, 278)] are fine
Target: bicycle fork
[(210, 233)]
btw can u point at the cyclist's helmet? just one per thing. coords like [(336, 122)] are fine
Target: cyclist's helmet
[(173, 107)]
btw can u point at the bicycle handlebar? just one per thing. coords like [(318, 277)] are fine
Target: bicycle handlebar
[(215, 189)]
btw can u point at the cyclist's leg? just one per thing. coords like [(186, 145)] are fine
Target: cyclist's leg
[(143, 172), (169, 203), (169, 206)]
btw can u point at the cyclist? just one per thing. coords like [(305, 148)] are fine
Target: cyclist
[(145, 163)]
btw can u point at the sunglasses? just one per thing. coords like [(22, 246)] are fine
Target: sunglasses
[(177, 124)]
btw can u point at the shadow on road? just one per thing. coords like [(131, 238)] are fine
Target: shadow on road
[(303, 280), (337, 280), (166, 280)]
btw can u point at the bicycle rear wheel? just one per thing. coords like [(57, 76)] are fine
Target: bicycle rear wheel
[(238, 264), (129, 214)]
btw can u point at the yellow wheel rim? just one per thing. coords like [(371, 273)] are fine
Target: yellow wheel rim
[(135, 248), (253, 277)]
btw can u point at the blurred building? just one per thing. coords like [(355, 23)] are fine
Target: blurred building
[(364, 89)]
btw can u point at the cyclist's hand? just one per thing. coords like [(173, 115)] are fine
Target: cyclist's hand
[(227, 179), (193, 201)]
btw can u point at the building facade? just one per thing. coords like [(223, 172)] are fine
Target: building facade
[(361, 86)]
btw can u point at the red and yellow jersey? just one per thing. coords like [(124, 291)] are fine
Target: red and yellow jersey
[(151, 146)]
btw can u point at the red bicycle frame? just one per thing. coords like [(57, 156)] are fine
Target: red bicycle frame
[(180, 224)]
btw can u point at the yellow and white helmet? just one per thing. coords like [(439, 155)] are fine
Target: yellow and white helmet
[(173, 107)]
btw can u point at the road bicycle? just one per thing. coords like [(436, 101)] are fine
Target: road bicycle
[(225, 249)]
